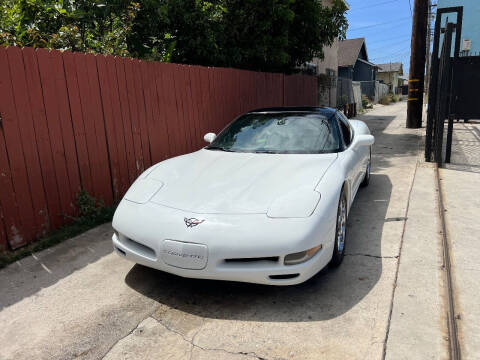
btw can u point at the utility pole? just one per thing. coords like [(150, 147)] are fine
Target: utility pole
[(429, 44), (417, 64)]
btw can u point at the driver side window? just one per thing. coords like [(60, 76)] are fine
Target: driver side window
[(345, 130)]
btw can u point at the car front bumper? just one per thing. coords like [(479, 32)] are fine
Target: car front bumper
[(247, 248)]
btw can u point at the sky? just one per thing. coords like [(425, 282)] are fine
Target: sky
[(386, 25)]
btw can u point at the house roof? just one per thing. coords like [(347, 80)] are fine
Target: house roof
[(348, 51), (391, 67)]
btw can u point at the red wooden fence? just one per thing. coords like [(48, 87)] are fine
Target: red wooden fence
[(70, 121)]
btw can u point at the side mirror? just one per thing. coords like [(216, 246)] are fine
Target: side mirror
[(209, 137), (363, 140)]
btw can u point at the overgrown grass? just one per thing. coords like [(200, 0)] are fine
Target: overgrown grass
[(91, 213), (366, 102), (385, 100)]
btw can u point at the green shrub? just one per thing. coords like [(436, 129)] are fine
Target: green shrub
[(394, 98), (365, 102), (385, 100), (92, 211)]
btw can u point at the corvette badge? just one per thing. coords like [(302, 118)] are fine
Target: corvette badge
[(192, 222)]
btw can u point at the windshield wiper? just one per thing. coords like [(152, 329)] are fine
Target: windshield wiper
[(265, 152), (219, 148)]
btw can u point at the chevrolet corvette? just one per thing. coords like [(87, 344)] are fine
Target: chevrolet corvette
[(266, 201)]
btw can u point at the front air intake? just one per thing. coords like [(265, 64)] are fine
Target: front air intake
[(138, 248)]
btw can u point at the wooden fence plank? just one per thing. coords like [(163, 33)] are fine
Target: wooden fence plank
[(89, 121), (117, 124), (155, 122), (63, 108), (76, 114), (238, 99), (163, 113), (23, 227), (168, 106), (126, 118), (134, 118), (181, 95), (3, 231), (197, 116), (106, 91), (11, 219), (43, 140), (204, 85), (140, 94), (29, 143), (47, 76), (232, 103), (219, 96), (104, 175), (188, 112), (203, 117), (181, 126), (212, 103)]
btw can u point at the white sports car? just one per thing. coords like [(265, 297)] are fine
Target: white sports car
[(265, 202)]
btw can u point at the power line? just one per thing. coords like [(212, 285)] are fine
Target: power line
[(374, 5), (399, 39), (394, 54), (373, 39), (375, 49), (381, 24)]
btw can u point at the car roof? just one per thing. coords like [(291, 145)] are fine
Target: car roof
[(312, 109)]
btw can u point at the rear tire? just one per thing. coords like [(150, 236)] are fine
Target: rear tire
[(340, 232)]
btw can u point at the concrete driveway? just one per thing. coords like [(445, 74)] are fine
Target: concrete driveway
[(80, 300)]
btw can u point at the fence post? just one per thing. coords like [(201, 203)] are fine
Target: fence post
[(449, 139), (442, 108)]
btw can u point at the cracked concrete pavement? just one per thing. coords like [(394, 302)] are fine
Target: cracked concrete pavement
[(92, 304)]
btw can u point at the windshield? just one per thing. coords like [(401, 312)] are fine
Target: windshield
[(280, 133)]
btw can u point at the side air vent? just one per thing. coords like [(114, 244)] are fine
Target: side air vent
[(273, 259), (284, 276), (121, 251)]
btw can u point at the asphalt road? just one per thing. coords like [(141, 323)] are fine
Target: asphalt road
[(80, 300)]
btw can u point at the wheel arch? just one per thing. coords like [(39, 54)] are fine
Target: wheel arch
[(346, 188)]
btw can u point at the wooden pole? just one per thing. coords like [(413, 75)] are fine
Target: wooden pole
[(417, 64), (429, 44)]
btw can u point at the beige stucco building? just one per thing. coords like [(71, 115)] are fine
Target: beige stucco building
[(327, 70), (390, 74)]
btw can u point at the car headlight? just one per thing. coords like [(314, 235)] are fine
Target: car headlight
[(302, 256), (298, 203), (142, 190)]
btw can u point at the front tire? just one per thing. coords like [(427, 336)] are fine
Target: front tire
[(340, 232)]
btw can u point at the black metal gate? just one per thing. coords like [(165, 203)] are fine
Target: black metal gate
[(440, 97)]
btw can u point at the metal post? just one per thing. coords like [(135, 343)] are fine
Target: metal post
[(432, 93), (449, 139), (417, 65), (443, 107)]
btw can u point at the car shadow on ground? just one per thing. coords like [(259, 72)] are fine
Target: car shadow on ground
[(327, 295)]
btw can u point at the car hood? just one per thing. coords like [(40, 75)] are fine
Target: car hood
[(217, 182)]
